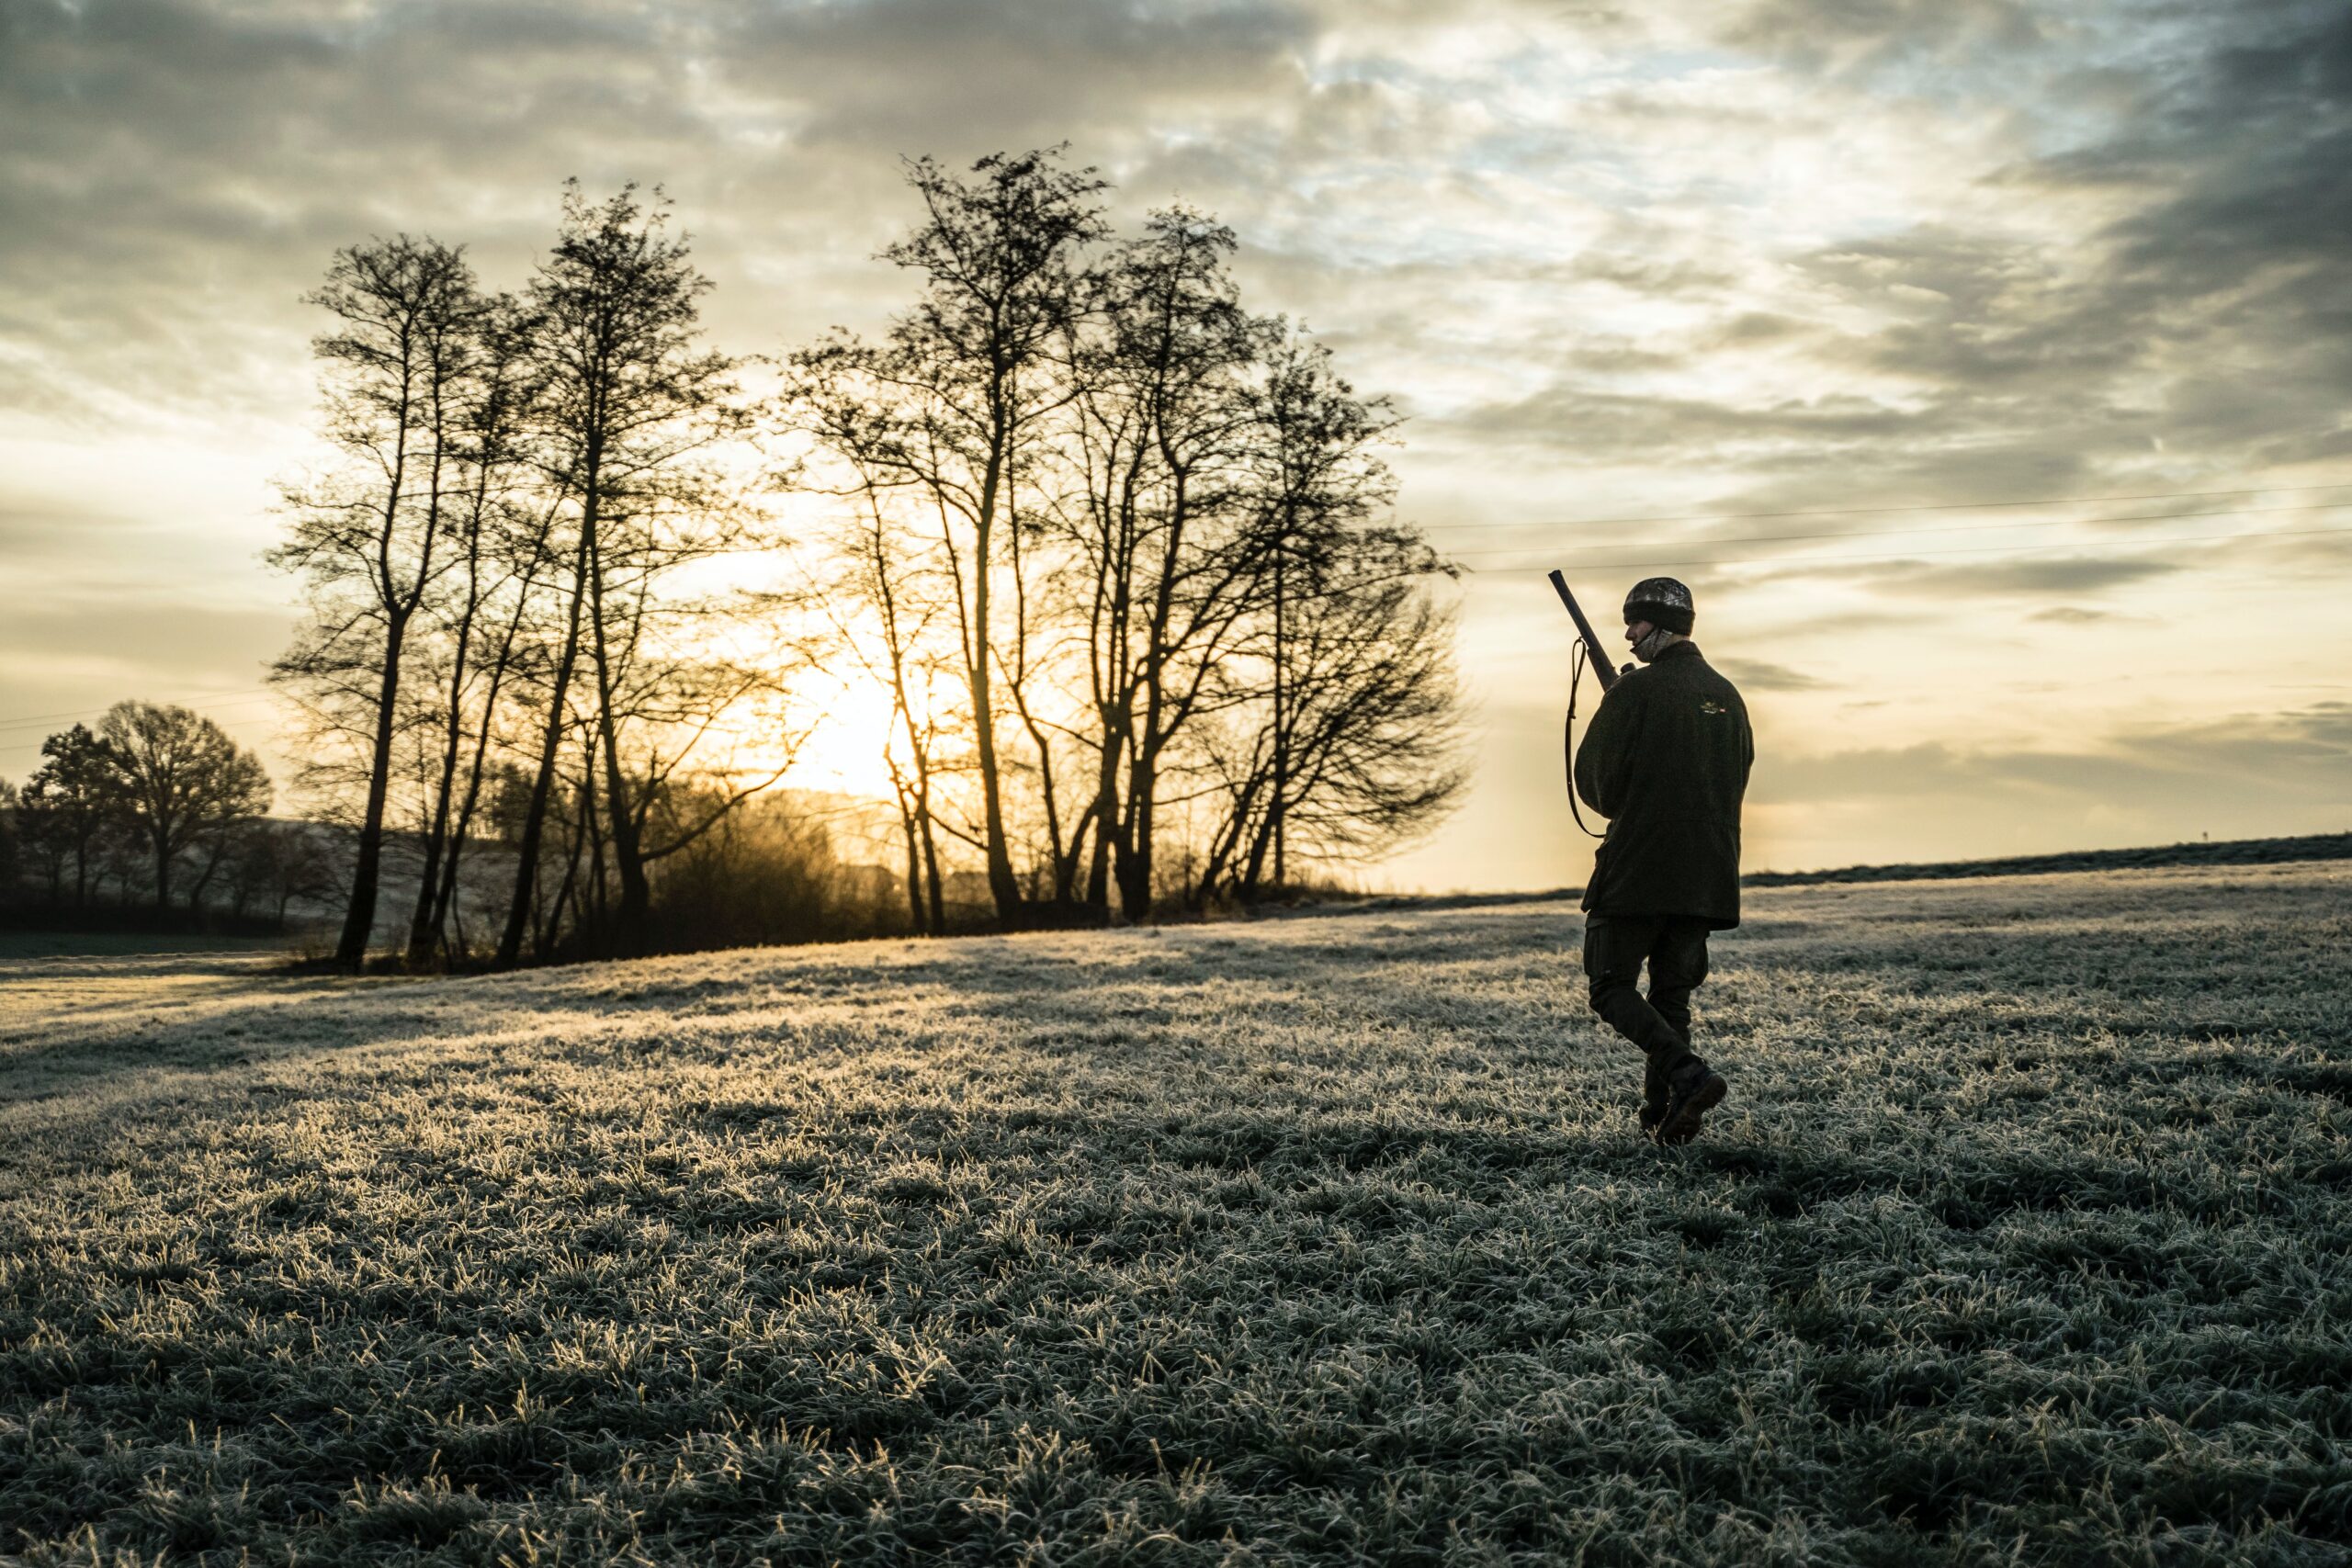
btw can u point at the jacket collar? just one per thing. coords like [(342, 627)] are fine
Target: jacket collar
[(1679, 650)]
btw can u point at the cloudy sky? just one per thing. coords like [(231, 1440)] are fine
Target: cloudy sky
[(1984, 367)]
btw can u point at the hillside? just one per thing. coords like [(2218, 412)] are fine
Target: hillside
[(2229, 851), (2025, 1235)]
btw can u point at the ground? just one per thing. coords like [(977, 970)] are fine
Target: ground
[(2026, 1235)]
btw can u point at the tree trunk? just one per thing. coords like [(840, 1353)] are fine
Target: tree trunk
[(446, 898), (535, 816), (162, 866), (1135, 851), (914, 864), (1282, 732), (633, 932), (1001, 885), (425, 926), (360, 915)]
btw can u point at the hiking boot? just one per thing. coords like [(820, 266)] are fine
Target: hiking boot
[(1694, 1090)]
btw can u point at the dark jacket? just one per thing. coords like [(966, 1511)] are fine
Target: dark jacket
[(1667, 760)]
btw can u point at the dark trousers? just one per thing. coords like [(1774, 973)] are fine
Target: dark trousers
[(1675, 947)]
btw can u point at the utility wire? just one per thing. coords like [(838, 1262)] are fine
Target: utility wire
[(28, 721), (1913, 554), (1875, 511), (1964, 528), (31, 721)]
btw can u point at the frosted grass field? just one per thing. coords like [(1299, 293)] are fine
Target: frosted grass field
[(2026, 1237)]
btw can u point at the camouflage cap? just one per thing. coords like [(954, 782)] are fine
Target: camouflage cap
[(1662, 601)]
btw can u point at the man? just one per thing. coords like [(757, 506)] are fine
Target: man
[(1666, 761)]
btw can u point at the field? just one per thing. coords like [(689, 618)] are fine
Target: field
[(2026, 1237)]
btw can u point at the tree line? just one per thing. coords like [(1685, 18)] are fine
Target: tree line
[(155, 808), (1117, 553)]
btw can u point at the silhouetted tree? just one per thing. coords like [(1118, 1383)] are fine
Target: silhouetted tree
[(11, 839), (954, 404), (182, 779), (497, 535), (629, 398), (368, 539), (1173, 552), (73, 801), (1346, 630)]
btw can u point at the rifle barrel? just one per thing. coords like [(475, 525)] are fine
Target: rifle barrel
[(1603, 670)]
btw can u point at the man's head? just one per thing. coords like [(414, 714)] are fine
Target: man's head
[(1659, 615)]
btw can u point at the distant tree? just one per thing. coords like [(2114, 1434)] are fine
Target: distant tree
[(182, 781), (74, 802), (11, 844), (270, 866), (404, 345)]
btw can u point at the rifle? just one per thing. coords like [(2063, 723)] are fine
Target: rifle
[(1595, 654), (1603, 671)]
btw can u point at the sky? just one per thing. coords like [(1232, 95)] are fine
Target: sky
[(1985, 367)]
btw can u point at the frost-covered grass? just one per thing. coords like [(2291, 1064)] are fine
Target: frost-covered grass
[(2024, 1237)]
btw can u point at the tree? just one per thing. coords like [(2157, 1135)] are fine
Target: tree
[(1148, 525), (1348, 740), (885, 603), (1364, 755), (629, 398), (182, 779), (955, 404), (72, 802), (367, 540), (1175, 555), (11, 840), (498, 535), (1320, 486)]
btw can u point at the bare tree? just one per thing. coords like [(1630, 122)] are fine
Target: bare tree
[(12, 838), (1319, 486), (368, 539), (958, 398), (183, 781), (1366, 753), (1152, 516), (497, 535), (1175, 557), (272, 866), (885, 601), (1349, 740), (630, 399)]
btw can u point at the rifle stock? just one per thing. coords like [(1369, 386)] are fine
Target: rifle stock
[(1603, 669)]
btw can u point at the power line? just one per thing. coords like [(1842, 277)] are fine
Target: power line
[(33, 721), (1874, 511), (1969, 527), (1911, 554)]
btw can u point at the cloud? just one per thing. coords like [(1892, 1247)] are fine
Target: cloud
[(151, 642), (1862, 36), (949, 74), (1617, 261), (2240, 768), (1759, 675), (2137, 284), (2069, 574)]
